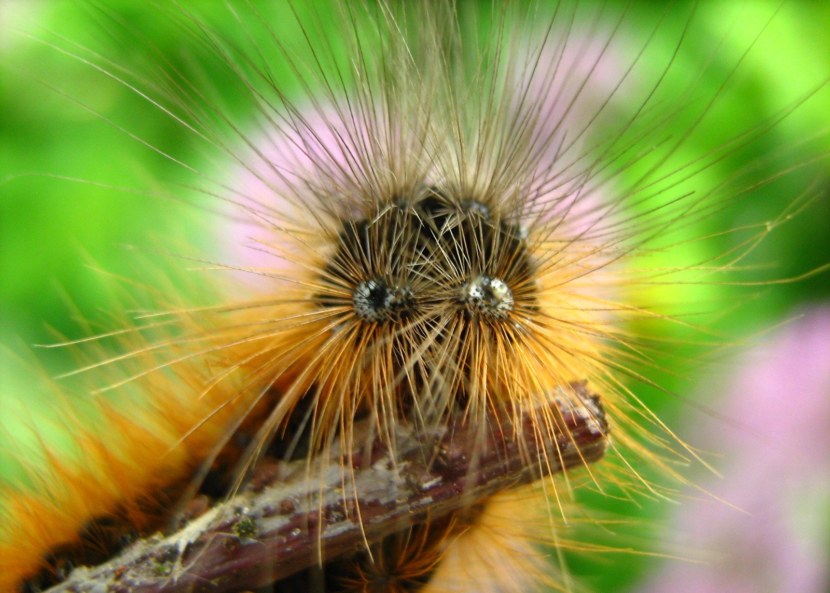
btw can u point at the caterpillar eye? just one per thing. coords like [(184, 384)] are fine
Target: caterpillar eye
[(488, 298), (378, 301)]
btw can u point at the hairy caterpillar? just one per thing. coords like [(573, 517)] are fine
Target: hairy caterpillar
[(515, 216)]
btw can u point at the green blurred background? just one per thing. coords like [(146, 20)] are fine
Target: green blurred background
[(76, 191)]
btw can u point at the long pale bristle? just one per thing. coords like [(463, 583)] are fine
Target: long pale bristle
[(426, 214)]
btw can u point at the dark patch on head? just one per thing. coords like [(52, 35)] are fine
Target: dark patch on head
[(384, 266)]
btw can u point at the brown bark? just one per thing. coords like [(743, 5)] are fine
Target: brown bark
[(297, 513)]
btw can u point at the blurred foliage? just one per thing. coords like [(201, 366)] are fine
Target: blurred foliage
[(77, 185)]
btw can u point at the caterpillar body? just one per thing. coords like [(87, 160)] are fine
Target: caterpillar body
[(447, 222)]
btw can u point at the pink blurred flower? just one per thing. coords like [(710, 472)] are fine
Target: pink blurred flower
[(776, 459)]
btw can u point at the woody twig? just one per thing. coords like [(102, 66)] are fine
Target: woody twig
[(295, 515)]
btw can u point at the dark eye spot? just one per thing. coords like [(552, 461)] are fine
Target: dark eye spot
[(377, 301), (490, 298)]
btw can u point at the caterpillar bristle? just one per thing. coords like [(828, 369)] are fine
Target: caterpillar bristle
[(430, 219)]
